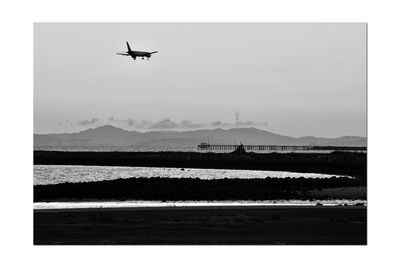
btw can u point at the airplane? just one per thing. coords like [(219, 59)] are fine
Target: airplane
[(135, 54)]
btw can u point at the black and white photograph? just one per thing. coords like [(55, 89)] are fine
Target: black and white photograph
[(200, 134)]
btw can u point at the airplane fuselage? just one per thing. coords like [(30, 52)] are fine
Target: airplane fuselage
[(139, 54), (135, 54)]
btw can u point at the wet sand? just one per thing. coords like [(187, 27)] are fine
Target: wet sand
[(234, 225)]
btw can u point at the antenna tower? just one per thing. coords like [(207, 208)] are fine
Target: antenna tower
[(237, 118)]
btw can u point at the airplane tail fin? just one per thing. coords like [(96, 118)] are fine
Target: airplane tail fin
[(129, 48), (154, 52)]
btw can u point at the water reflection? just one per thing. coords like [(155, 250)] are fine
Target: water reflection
[(54, 174)]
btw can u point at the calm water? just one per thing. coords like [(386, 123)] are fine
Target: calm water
[(55, 174), (143, 204)]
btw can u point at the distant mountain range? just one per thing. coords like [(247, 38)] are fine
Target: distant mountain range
[(108, 136)]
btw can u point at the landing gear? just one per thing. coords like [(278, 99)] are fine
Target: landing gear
[(142, 58)]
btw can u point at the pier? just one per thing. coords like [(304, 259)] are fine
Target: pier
[(264, 148)]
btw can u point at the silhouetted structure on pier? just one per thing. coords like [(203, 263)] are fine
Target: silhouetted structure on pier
[(240, 149), (210, 147)]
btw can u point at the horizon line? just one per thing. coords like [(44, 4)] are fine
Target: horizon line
[(202, 129)]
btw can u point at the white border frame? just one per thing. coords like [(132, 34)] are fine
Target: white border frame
[(17, 19)]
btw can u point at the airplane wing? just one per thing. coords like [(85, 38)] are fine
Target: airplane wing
[(123, 54), (154, 52)]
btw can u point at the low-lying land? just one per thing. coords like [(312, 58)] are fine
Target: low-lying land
[(337, 163), (197, 189), (206, 225), (203, 225)]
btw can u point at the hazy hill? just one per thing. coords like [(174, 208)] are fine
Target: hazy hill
[(110, 136)]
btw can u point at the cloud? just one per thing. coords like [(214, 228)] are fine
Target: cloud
[(245, 123), (190, 124), (65, 122), (220, 124), (167, 124), (128, 122), (145, 124), (88, 122), (164, 124), (241, 124)]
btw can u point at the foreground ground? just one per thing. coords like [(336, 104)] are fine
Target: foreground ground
[(272, 225)]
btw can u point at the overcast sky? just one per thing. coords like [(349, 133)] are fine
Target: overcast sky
[(295, 79)]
